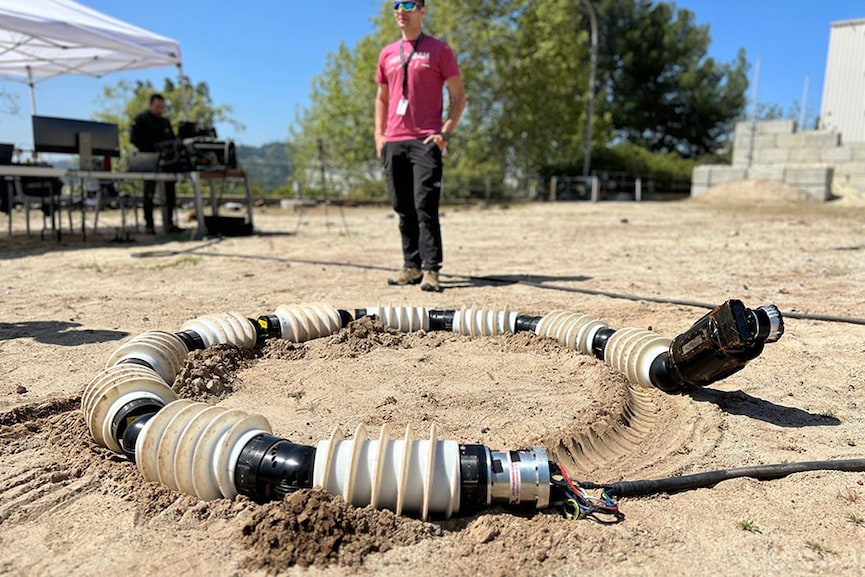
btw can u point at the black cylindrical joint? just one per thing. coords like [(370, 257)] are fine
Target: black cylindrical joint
[(441, 320), (192, 340), (526, 323), (474, 478), (131, 411), (360, 313), (599, 343), (269, 468), (268, 327), (662, 377), (131, 433), (344, 318), (137, 362)]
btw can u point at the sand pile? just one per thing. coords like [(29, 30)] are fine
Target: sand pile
[(210, 375), (314, 528), (759, 192), (364, 335)]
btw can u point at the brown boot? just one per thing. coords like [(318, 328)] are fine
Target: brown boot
[(406, 276), (431, 281)]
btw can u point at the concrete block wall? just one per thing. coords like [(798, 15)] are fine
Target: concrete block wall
[(816, 180), (817, 161)]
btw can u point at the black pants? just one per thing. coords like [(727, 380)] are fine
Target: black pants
[(414, 175), (167, 208)]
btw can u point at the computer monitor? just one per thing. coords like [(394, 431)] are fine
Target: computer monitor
[(67, 135), (6, 153)]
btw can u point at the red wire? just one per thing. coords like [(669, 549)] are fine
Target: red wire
[(568, 479), (579, 492)]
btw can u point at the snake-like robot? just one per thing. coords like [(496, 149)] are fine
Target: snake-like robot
[(213, 452)]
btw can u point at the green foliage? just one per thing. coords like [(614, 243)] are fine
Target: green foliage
[(749, 526), (271, 165), (636, 160), (661, 88), (774, 111), (770, 111), (626, 158), (525, 66), (820, 549)]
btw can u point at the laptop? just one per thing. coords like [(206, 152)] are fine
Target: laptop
[(6, 152), (143, 162)]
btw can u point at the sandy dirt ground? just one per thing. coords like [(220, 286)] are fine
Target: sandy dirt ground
[(70, 507)]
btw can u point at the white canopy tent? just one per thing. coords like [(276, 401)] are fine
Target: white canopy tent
[(41, 39)]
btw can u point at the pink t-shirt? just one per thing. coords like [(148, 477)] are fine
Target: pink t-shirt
[(433, 63)]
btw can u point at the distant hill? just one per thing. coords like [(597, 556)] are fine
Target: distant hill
[(268, 164)]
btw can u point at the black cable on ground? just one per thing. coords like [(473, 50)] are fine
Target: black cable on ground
[(827, 318), (708, 479), (613, 295), (500, 280)]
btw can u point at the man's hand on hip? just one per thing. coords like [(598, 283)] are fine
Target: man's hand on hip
[(439, 139)]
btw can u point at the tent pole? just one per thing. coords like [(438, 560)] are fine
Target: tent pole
[(32, 89), (32, 103), (183, 103)]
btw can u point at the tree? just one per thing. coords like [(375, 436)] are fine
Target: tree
[(525, 66), (506, 74), (661, 89), (8, 102), (526, 74), (774, 111), (123, 101)]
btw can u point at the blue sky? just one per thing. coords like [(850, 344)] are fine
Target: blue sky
[(260, 56)]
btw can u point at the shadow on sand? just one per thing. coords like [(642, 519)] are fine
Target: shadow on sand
[(65, 334), (741, 403)]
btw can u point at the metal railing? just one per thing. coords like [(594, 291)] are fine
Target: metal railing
[(495, 188)]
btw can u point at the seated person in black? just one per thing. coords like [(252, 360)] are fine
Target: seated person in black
[(149, 128)]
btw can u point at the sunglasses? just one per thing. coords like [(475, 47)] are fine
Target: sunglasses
[(407, 6)]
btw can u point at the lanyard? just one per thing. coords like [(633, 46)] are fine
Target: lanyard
[(405, 63)]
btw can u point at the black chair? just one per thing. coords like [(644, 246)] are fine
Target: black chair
[(48, 193)]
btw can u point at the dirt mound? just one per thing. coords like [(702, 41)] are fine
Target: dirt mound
[(760, 192), (35, 411), (210, 375), (362, 336), (282, 350), (528, 343), (314, 528), (846, 195)]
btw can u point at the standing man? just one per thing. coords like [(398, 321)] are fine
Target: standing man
[(410, 137), (149, 128)]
